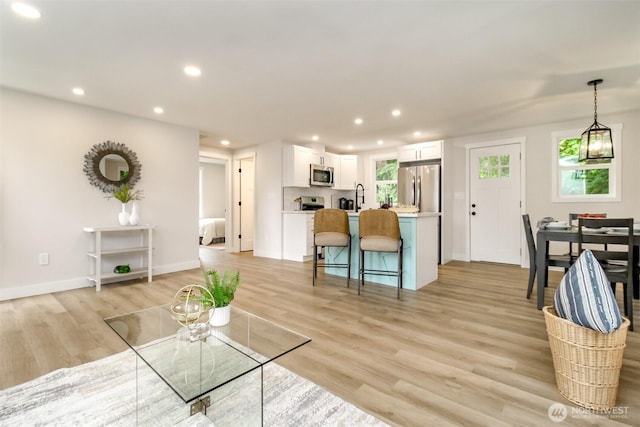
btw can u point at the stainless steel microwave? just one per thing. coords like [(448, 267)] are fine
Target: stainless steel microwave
[(321, 176)]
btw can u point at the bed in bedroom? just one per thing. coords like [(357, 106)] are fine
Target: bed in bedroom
[(211, 230)]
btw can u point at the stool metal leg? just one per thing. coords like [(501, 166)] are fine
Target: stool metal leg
[(360, 270), (315, 264), (349, 261)]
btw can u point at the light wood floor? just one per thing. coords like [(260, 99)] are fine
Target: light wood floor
[(469, 349)]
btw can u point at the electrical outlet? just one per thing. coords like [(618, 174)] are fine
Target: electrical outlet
[(43, 258)]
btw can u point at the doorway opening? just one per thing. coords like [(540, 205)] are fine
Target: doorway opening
[(213, 196)]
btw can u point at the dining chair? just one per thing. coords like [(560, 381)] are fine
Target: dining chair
[(331, 229), (379, 231), (563, 261), (573, 218), (617, 260)]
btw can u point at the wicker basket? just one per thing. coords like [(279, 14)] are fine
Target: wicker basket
[(587, 362)]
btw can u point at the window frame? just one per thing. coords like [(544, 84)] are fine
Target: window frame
[(375, 158), (615, 169)]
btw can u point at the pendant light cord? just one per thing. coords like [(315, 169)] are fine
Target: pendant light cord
[(595, 103)]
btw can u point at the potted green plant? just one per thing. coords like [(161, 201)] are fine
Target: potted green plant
[(222, 289), (126, 194)]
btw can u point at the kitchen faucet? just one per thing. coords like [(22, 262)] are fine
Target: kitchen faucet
[(359, 186)]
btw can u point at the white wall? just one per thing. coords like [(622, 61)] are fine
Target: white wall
[(538, 168), (46, 198)]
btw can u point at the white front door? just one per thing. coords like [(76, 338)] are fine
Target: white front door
[(247, 194), (494, 191)]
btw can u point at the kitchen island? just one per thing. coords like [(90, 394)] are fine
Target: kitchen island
[(419, 233)]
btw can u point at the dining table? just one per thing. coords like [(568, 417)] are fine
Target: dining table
[(570, 234)]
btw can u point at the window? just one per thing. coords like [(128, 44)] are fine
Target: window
[(494, 167), (387, 181), (574, 181)]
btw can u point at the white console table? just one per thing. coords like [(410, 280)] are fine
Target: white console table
[(98, 253)]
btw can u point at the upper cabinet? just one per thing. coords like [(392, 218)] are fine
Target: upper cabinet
[(346, 172), (420, 151), (296, 162), (323, 158)]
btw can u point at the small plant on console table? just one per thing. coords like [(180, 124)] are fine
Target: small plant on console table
[(126, 194)]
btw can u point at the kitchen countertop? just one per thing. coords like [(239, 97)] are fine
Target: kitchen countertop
[(400, 215), (407, 215)]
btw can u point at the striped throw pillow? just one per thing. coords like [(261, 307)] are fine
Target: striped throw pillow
[(584, 296)]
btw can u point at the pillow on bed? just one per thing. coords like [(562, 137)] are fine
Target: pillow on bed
[(584, 296)]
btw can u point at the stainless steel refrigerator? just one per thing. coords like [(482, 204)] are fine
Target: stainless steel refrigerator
[(419, 185)]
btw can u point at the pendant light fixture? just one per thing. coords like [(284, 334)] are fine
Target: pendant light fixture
[(596, 141)]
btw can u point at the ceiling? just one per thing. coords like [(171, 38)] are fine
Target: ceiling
[(283, 70)]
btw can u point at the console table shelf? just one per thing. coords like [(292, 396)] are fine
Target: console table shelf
[(98, 252)]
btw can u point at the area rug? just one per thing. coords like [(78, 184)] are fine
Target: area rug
[(103, 393)]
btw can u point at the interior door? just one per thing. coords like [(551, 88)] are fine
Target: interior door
[(246, 203), (494, 190)]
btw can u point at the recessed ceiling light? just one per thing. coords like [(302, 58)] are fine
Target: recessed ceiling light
[(358, 121), (380, 142), (315, 137), (192, 70), (224, 142), (25, 10), (417, 133), (396, 113), (350, 147), (158, 110), (78, 91)]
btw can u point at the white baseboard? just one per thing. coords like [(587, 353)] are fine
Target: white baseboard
[(267, 254), (43, 288), (81, 282), (172, 268), (460, 257)]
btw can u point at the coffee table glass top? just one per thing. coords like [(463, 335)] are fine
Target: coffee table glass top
[(193, 369)]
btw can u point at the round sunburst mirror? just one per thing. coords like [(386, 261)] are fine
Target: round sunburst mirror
[(109, 165)]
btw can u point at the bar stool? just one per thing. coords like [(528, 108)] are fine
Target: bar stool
[(379, 232), (331, 228)]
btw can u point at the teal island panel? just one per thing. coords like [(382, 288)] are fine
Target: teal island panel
[(420, 253)]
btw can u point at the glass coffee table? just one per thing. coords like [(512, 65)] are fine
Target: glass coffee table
[(220, 376)]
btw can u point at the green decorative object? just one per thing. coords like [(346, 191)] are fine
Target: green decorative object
[(222, 288), (125, 194), (121, 269)]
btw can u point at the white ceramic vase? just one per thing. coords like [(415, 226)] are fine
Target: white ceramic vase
[(220, 316), (123, 216), (134, 218)]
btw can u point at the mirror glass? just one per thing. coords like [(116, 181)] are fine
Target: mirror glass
[(114, 167), (110, 165)]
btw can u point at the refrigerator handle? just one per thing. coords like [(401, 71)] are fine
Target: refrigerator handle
[(413, 191), (419, 192)]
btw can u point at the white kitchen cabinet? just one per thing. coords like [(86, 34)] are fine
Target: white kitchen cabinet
[(120, 244), (323, 158), (297, 236), (420, 151), (296, 161), (346, 172)]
